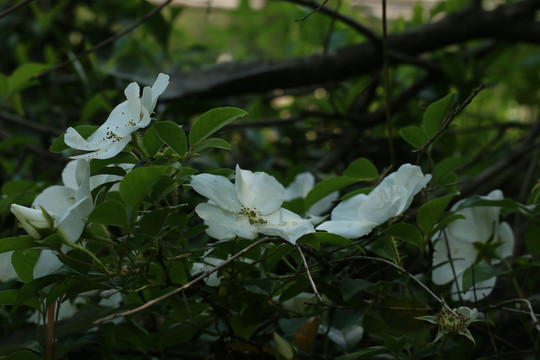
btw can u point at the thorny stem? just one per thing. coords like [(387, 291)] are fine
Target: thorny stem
[(309, 274), (183, 287), (527, 303)]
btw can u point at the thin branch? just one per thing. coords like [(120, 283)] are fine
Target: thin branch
[(19, 121), (183, 287), (411, 276), (528, 305), (14, 7), (448, 120), (313, 11), (309, 274), (343, 18), (106, 41)]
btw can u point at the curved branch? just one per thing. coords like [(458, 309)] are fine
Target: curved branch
[(513, 22)]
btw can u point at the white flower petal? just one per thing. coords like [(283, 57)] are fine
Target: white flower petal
[(237, 224), (46, 264), (69, 175), (300, 187), (506, 235), (108, 151), (56, 200), (347, 228), (75, 141), (72, 224), (483, 289), (323, 205), (258, 191), (218, 189), (7, 272), (30, 219), (349, 209), (150, 95), (285, 224)]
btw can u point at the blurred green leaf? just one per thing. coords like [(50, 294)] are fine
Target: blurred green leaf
[(317, 238), (532, 239), (16, 243), (414, 136), (24, 261), (361, 169)]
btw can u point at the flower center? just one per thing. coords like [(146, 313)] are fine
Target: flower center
[(449, 323), (253, 215)]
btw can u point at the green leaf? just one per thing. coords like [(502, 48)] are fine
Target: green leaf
[(350, 287), (59, 145), (152, 142), (110, 212), (24, 261), (532, 239), (16, 243), (20, 79), (368, 353), (436, 113), (315, 239), (283, 347), (152, 223), (173, 135), (405, 232), (139, 182), (326, 187), (414, 136), (9, 297), (212, 143), (481, 272), (446, 167), (77, 260), (22, 355), (361, 169), (430, 212), (211, 121)]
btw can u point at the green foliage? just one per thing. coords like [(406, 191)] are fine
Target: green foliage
[(145, 249)]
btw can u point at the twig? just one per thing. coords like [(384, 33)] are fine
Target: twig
[(106, 41), (343, 18), (529, 311), (397, 267), (309, 274), (19, 121), (14, 7), (313, 12), (183, 287), (449, 118), (387, 85)]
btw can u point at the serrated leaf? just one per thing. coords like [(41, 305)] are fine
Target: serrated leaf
[(430, 212), (414, 136), (211, 121), (139, 182), (326, 187), (110, 212), (212, 143), (436, 113), (361, 169), (173, 135), (405, 232)]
